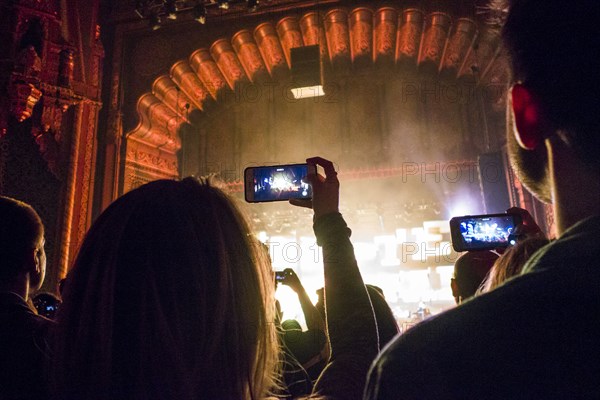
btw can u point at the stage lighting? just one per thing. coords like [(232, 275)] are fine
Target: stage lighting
[(155, 22), (252, 5), (199, 12), (306, 72), (223, 4), (171, 9)]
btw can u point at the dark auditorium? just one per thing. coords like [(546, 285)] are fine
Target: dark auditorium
[(299, 199)]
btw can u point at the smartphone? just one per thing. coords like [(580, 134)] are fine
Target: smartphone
[(276, 183), (483, 232), (280, 276)]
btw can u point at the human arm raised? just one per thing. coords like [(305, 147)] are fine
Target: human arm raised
[(314, 320), (349, 315)]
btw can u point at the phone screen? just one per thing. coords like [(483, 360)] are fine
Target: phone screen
[(483, 232), (275, 183), (279, 276)]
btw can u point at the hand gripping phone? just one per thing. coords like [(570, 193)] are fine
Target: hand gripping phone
[(483, 232), (277, 183)]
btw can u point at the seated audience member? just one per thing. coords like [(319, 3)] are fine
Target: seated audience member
[(536, 336), (470, 270), (23, 349), (170, 297), (512, 261)]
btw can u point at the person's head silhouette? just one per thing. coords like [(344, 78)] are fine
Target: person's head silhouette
[(22, 255), (170, 297)]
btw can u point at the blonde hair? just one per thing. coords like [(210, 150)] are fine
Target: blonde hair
[(169, 298)]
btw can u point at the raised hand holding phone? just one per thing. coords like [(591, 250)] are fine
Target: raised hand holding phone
[(528, 226), (483, 232), (326, 189), (291, 280)]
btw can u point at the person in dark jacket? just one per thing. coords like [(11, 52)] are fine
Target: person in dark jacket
[(536, 336), (350, 320), (23, 347)]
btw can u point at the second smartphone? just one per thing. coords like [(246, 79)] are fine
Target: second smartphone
[(483, 232), (277, 183)]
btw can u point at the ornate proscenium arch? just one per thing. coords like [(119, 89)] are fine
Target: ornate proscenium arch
[(359, 41)]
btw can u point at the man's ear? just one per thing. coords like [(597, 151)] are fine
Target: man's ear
[(529, 118), (38, 261), (31, 261), (35, 269), (454, 287)]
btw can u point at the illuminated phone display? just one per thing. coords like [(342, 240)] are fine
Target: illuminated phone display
[(483, 232), (276, 183)]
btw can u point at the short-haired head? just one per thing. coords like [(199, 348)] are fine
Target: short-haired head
[(291, 325), (553, 47), (470, 271), (21, 235)]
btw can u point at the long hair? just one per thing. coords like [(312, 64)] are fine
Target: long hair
[(512, 262), (169, 298)]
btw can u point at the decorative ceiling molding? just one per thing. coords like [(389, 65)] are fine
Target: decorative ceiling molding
[(383, 38)]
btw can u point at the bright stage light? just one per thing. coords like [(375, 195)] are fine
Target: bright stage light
[(306, 72), (459, 210), (199, 13), (364, 251), (308, 92), (390, 250), (262, 236), (290, 306)]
